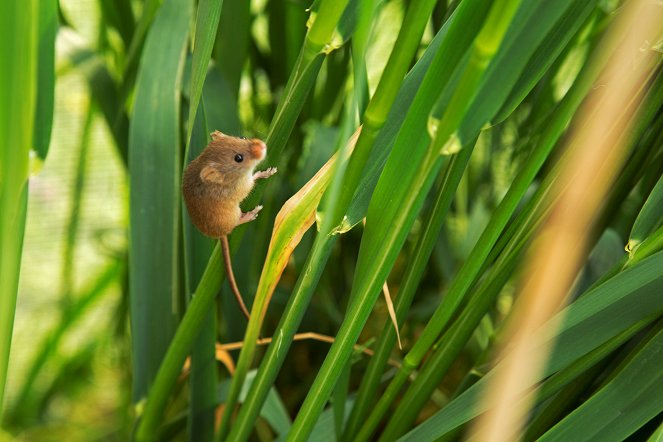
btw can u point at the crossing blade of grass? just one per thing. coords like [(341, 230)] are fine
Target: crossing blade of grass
[(470, 269), (365, 19), (292, 221), (626, 403), (544, 57), (47, 28), (154, 167), (589, 322), (445, 355), (19, 51), (413, 273), (398, 197), (316, 260)]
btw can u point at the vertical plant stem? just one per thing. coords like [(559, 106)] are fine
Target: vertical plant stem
[(18, 50), (179, 348)]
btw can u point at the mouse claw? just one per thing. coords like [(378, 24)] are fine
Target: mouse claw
[(247, 217), (265, 173)]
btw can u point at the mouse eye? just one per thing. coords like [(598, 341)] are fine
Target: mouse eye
[(242, 138), (239, 158)]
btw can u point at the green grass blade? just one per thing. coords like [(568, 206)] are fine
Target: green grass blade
[(306, 284), (300, 82), (154, 167), (543, 58), (649, 218), (232, 42), (19, 52), (627, 402), (457, 39), (413, 274), (591, 321), (292, 221), (192, 321), (475, 262), (273, 411), (207, 21), (179, 348), (197, 250), (398, 197), (119, 15), (75, 209), (48, 26)]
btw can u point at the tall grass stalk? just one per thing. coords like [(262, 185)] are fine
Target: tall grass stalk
[(19, 49)]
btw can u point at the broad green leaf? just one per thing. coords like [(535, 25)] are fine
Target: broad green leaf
[(154, 170), (19, 51)]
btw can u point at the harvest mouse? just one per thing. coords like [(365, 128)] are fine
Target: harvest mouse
[(214, 185)]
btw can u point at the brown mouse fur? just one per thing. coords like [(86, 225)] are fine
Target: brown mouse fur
[(214, 185)]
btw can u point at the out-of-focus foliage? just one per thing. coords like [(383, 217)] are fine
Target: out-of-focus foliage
[(460, 111)]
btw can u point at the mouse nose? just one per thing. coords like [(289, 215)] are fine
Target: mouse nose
[(259, 149)]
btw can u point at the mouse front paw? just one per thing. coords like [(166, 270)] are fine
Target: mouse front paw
[(265, 173), (250, 216)]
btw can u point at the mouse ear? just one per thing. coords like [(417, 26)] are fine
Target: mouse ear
[(210, 174), (217, 135)]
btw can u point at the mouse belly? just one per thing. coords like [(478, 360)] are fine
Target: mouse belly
[(213, 218)]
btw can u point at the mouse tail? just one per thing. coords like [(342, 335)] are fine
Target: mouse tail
[(225, 248)]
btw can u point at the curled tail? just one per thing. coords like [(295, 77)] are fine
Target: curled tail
[(225, 248)]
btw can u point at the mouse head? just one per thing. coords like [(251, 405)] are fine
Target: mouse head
[(235, 154)]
